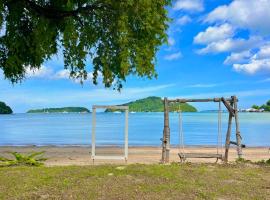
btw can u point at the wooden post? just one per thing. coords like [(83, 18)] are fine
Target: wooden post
[(228, 137), (126, 135), (166, 134), (238, 135), (93, 132)]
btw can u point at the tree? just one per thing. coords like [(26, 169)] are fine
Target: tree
[(256, 107), (121, 37)]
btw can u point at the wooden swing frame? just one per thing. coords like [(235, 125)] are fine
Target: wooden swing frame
[(232, 106), (93, 152)]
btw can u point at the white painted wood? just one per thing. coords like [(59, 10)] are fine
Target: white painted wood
[(93, 155), (93, 132), (109, 158), (126, 135)]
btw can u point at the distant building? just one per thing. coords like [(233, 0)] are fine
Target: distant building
[(252, 110)]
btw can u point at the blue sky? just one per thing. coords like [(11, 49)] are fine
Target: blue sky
[(216, 48)]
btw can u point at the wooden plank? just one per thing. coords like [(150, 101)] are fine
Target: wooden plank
[(235, 143), (228, 138), (197, 100), (93, 153), (238, 136), (109, 158), (166, 134), (199, 155), (93, 132), (228, 106), (126, 134)]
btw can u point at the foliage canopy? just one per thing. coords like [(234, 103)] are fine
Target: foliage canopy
[(119, 37), (266, 106)]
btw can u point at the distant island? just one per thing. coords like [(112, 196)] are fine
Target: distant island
[(61, 110), (4, 109), (256, 108), (154, 104)]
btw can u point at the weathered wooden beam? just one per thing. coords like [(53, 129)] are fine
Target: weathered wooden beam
[(235, 143), (197, 100), (166, 134), (228, 138), (237, 126), (200, 155), (228, 106)]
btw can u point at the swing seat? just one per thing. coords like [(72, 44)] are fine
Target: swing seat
[(183, 156)]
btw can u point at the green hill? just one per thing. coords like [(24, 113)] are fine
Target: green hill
[(154, 104), (4, 109), (61, 110)]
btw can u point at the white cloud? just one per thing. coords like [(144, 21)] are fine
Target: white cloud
[(240, 57), (246, 55), (248, 14), (75, 97), (48, 73), (214, 34), (242, 93), (253, 66), (183, 20), (264, 80), (229, 45), (189, 5), (42, 72), (62, 74), (264, 52), (201, 85), (173, 56), (251, 62)]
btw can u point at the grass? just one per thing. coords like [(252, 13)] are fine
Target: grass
[(186, 181)]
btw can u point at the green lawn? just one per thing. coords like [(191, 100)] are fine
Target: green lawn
[(187, 181)]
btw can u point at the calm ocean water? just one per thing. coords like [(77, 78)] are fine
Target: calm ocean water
[(144, 129)]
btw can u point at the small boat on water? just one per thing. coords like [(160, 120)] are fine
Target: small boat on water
[(117, 112)]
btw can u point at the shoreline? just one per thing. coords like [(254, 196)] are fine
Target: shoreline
[(81, 155), (118, 146)]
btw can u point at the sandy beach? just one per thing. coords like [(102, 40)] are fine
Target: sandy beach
[(78, 155)]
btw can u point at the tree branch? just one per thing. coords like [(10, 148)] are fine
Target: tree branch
[(51, 12)]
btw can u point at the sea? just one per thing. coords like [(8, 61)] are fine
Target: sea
[(144, 129)]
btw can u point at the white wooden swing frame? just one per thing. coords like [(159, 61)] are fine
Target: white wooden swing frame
[(93, 153)]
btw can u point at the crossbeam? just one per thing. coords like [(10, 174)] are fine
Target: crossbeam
[(198, 100)]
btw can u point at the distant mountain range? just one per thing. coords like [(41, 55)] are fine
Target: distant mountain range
[(154, 104), (60, 110)]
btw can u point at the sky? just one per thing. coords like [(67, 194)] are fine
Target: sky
[(215, 48)]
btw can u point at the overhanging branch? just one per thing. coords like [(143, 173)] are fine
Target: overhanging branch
[(53, 13)]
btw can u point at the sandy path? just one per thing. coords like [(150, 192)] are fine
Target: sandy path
[(73, 155)]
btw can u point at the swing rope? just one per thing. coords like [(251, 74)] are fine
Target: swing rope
[(181, 146), (181, 132), (219, 138)]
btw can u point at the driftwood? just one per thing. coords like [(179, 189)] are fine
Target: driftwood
[(235, 143)]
